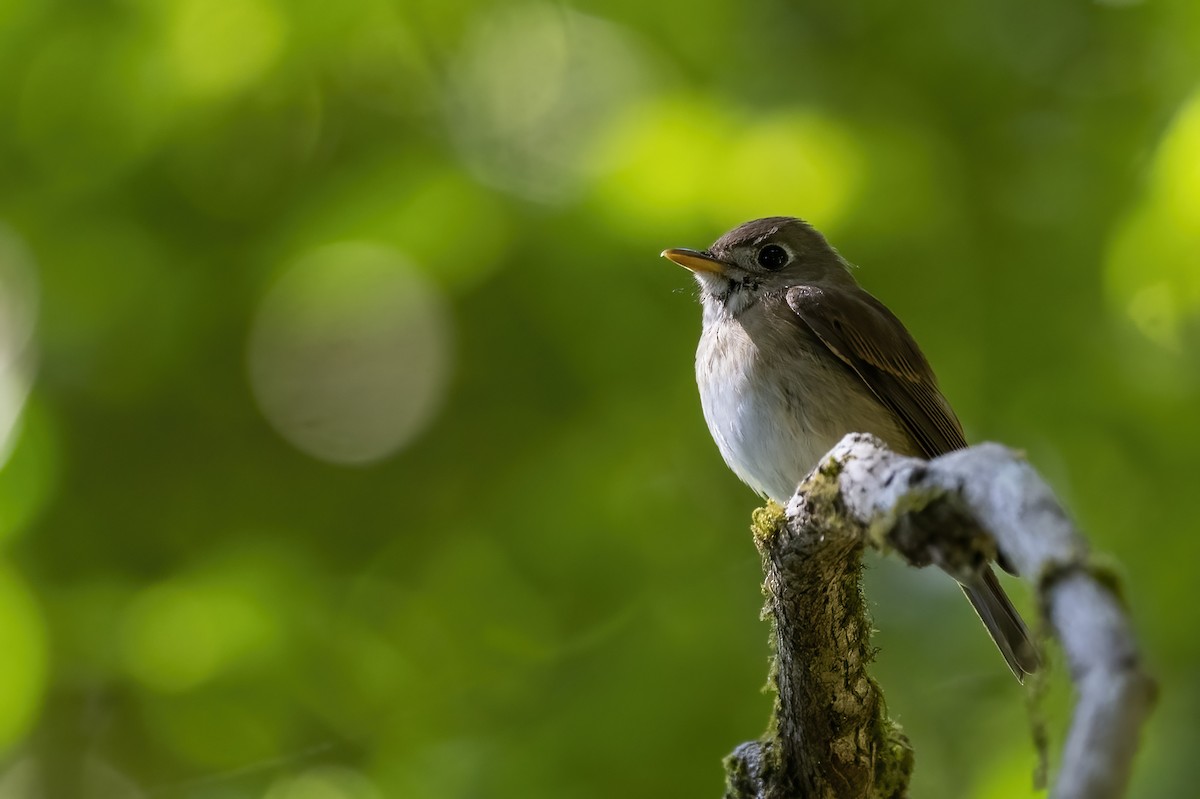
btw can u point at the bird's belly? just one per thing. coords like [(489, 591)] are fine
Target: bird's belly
[(773, 420)]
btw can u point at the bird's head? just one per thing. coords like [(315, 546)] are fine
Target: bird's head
[(758, 258)]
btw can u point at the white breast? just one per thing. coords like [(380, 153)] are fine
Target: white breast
[(773, 418)]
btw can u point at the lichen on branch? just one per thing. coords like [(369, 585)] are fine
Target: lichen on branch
[(829, 736)]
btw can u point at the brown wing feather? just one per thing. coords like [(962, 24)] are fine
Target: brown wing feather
[(859, 330), (863, 333)]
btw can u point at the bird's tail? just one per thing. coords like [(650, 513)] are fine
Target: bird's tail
[(1003, 623)]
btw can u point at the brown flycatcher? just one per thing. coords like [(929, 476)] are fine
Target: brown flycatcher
[(794, 355)]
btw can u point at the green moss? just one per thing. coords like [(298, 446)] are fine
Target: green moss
[(896, 760), (766, 522), (830, 468), (912, 502), (890, 752), (739, 776), (1100, 568), (1035, 700)]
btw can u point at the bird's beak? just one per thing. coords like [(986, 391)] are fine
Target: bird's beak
[(695, 260)]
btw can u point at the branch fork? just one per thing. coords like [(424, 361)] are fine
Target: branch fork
[(829, 736)]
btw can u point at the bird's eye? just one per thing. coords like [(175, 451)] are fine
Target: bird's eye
[(772, 257)]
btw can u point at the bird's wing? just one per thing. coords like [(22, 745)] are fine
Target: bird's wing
[(868, 338)]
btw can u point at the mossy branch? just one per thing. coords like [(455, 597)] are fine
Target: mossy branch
[(829, 736)]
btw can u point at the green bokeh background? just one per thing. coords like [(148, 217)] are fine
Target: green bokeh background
[(486, 548)]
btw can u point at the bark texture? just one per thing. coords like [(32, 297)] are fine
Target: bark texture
[(829, 736)]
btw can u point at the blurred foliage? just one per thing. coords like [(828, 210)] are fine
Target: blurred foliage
[(349, 436)]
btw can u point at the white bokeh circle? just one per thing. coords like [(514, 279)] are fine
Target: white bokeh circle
[(350, 352)]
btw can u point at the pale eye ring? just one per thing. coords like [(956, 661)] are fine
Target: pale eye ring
[(772, 257)]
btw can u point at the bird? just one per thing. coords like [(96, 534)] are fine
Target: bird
[(794, 354)]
